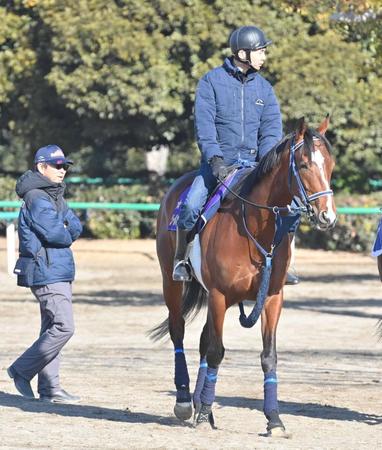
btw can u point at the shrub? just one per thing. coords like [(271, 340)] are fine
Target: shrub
[(351, 233)]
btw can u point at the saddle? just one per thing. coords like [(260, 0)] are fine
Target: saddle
[(213, 203)]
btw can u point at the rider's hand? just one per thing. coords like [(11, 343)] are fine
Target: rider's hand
[(219, 170)]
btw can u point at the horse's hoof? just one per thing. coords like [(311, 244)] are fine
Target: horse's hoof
[(203, 416), (183, 411)]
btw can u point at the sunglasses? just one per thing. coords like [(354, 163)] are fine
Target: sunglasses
[(60, 166)]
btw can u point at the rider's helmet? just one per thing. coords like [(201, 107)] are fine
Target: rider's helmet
[(247, 38)]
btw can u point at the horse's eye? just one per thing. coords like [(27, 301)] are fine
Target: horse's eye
[(304, 166)]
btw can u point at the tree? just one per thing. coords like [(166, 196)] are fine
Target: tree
[(108, 80)]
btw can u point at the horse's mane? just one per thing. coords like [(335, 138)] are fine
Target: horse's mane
[(273, 157)]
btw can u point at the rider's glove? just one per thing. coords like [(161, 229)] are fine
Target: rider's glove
[(219, 170)]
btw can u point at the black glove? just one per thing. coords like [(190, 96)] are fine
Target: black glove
[(219, 170)]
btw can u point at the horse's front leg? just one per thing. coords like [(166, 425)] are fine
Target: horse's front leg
[(211, 355), (173, 297), (269, 320)]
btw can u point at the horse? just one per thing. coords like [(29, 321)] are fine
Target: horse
[(376, 252), (233, 246), (379, 263)]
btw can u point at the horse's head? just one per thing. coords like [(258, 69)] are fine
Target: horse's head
[(310, 170)]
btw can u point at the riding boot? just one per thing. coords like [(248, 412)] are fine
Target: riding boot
[(181, 270)]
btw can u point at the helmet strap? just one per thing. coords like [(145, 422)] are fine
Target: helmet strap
[(247, 60)]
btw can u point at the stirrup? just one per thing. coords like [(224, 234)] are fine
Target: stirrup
[(181, 271), (292, 279)]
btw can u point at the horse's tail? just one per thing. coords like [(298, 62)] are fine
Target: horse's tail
[(193, 298)]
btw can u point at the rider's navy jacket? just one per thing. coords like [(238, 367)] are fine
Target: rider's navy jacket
[(236, 116), (46, 228)]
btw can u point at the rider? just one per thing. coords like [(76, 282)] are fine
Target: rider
[(237, 121)]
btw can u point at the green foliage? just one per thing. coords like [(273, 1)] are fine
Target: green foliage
[(109, 80), (7, 188), (351, 232), (113, 224), (17, 57)]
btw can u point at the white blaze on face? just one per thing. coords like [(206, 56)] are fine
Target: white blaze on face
[(319, 160)]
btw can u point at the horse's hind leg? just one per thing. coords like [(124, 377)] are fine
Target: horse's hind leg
[(270, 318), (172, 292)]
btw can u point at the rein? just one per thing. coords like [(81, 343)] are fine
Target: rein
[(283, 225), (305, 205)]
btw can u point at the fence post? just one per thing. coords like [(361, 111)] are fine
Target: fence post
[(11, 247)]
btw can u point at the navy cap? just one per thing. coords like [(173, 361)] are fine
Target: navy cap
[(51, 154)]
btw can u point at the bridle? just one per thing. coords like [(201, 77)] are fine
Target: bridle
[(302, 204), (303, 198)]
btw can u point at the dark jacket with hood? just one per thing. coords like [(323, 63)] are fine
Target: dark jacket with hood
[(46, 228)]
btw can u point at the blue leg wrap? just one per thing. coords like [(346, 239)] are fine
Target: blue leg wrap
[(182, 379), (200, 381), (207, 395), (270, 392)]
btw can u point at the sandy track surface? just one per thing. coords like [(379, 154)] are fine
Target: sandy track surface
[(330, 361)]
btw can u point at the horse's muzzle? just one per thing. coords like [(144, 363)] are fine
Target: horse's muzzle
[(325, 221)]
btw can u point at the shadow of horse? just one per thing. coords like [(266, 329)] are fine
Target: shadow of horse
[(85, 411), (340, 278), (312, 410), (341, 307), (112, 298)]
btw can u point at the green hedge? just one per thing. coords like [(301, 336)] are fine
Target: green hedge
[(108, 223), (119, 223), (352, 232)]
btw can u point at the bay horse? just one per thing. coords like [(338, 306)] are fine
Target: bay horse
[(379, 261), (232, 248), (376, 251)]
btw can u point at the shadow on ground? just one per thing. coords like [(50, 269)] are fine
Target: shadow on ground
[(313, 410), (112, 298), (342, 307), (340, 278), (86, 411)]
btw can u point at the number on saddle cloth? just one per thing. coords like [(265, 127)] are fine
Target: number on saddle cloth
[(213, 202)]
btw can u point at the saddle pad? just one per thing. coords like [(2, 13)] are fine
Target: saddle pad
[(213, 203), (377, 247)]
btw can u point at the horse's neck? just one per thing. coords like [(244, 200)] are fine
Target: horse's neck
[(272, 190)]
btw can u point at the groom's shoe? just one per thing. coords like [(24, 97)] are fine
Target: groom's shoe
[(60, 396), (21, 384)]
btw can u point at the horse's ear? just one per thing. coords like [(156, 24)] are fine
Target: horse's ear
[(301, 128), (324, 125)]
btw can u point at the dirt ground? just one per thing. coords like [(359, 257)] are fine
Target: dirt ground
[(329, 360)]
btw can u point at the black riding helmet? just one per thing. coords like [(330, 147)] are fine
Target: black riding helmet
[(247, 38)]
